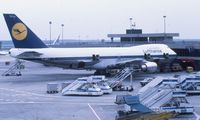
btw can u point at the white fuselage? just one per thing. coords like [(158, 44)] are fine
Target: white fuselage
[(106, 55)]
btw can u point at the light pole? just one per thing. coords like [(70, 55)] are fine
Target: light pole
[(62, 25), (164, 17), (131, 23), (131, 29), (50, 31)]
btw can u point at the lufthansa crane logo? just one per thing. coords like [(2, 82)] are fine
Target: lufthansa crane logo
[(19, 31)]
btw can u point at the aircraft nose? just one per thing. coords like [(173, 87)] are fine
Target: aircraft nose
[(12, 53)]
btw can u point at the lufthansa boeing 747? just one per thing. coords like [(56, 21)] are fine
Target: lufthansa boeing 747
[(30, 47)]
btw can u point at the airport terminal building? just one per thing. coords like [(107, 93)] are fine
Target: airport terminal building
[(136, 35)]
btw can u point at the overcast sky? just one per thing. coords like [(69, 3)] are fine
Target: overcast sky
[(94, 19)]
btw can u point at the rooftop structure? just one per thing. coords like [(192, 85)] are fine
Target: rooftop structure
[(136, 35)]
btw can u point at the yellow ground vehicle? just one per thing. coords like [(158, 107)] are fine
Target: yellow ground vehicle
[(189, 69)]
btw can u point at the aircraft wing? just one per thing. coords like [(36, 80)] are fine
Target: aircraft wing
[(4, 52), (131, 61), (29, 54), (118, 63), (137, 64)]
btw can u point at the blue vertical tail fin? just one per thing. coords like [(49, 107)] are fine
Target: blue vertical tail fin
[(21, 35)]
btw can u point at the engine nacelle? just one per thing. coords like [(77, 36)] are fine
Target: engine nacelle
[(149, 67)]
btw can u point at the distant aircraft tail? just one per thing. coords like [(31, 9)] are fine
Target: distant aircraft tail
[(21, 35)]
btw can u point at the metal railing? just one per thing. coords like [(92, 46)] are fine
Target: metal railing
[(120, 76), (14, 70)]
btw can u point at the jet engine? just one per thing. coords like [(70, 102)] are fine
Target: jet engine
[(149, 67)]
